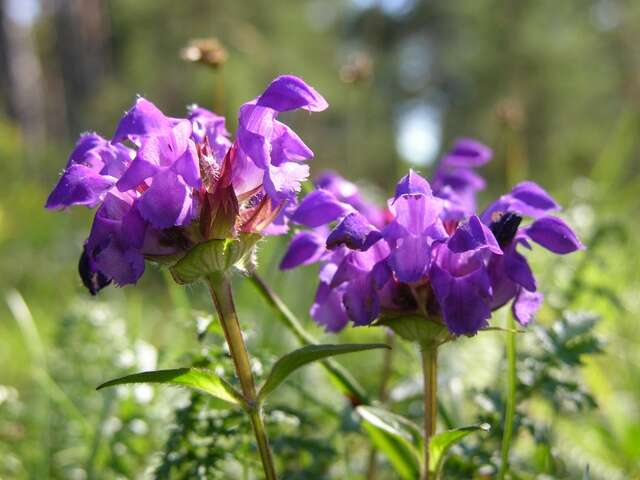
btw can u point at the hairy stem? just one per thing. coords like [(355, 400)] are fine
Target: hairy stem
[(222, 296), (511, 398), (430, 375)]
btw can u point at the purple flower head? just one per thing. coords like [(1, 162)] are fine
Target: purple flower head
[(430, 255), (182, 181)]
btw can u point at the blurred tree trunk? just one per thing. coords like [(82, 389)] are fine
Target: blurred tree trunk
[(81, 32), (22, 77)]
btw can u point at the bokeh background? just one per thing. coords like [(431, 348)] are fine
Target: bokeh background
[(553, 87)]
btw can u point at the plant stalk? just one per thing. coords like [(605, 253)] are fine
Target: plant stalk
[(222, 296), (430, 375), (510, 407)]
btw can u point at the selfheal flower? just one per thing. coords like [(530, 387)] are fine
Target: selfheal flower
[(431, 256), (182, 186)]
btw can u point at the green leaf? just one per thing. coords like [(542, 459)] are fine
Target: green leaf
[(442, 442), (395, 436), (287, 364), (196, 378)]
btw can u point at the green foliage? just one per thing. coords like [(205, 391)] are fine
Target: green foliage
[(195, 378), (290, 362)]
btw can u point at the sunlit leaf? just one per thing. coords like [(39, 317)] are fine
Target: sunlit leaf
[(195, 378), (395, 436), (442, 442), (290, 362)]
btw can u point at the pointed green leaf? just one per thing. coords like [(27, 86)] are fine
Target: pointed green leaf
[(395, 436), (196, 378), (289, 363), (442, 442)]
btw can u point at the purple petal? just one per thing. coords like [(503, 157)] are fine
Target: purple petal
[(284, 181), (416, 212), (305, 248), (91, 277), (361, 301), (145, 165), (167, 202), (526, 305), (472, 236), (319, 208), (134, 228), (355, 232), (79, 185), (188, 166), (534, 196), (412, 183), (289, 93), (125, 266), (467, 152), (328, 309), (410, 259), (555, 235), (286, 145), (143, 119), (463, 300), (517, 269)]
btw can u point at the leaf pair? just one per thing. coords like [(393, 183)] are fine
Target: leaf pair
[(402, 442), (208, 382)]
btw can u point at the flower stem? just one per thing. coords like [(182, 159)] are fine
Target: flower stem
[(222, 296), (511, 397), (430, 374)]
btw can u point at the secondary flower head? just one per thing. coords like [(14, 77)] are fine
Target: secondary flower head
[(163, 185), (427, 253)]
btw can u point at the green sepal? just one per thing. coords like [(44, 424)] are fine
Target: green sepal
[(215, 257), (424, 331)]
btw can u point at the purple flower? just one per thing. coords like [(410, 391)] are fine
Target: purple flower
[(184, 172), (428, 253)]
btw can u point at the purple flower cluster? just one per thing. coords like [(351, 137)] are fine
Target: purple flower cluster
[(428, 252), (163, 184)]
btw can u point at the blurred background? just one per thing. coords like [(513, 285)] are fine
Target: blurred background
[(553, 87)]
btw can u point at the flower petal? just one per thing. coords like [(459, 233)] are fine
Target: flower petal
[(555, 235), (319, 208), (287, 92), (305, 248), (328, 310), (143, 119), (79, 185), (355, 232), (526, 305), (410, 259), (412, 183), (168, 202), (467, 152)]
